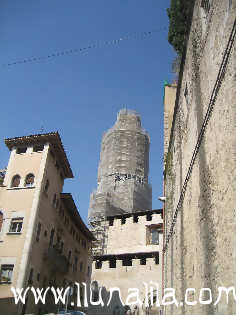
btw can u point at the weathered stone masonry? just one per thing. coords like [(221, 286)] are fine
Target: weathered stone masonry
[(201, 253)]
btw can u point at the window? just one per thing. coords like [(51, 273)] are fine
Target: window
[(111, 222), (149, 217), (1, 220), (46, 186), (81, 293), (6, 273), (38, 231), (54, 202), (112, 263), (98, 264), (2, 176), (81, 266), (15, 181), (155, 236), (75, 264), (123, 220), (205, 4), (38, 148), (16, 225), (38, 276), (29, 180), (61, 246), (51, 237), (30, 281), (143, 261), (21, 150), (157, 259)]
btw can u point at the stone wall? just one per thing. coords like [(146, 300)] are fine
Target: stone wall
[(128, 236), (201, 252)]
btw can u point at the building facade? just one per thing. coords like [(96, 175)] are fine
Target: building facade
[(131, 260), (199, 212), (43, 240)]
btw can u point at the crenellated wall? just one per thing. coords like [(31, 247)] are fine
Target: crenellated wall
[(129, 258)]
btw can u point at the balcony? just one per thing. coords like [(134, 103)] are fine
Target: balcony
[(59, 262)]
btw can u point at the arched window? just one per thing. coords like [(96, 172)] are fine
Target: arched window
[(15, 181), (29, 180)]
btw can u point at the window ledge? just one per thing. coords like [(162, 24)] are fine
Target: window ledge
[(18, 188), (5, 282), (14, 233)]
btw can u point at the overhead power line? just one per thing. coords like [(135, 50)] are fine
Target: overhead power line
[(138, 36), (212, 101)]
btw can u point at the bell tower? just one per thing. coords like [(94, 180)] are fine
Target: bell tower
[(122, 185)]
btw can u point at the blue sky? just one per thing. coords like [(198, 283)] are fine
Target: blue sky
[(80, 94)]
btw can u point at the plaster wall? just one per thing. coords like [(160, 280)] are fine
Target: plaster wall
[(24, 250)]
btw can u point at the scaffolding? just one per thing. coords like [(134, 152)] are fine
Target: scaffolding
[(123, 168)]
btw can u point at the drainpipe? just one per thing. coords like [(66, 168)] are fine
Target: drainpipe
[(163, 233), (163, 208)]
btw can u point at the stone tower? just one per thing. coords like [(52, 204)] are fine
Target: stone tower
[(123, 169)]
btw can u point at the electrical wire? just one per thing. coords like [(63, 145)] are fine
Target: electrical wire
[(138, 36), (95, 45), (212, 101)]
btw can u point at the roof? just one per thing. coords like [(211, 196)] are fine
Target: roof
[(69, 203), (55, 142)]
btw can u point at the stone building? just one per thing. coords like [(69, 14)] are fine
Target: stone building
[(122, 184), (43, 240), (131, 259), (199, 186), (169, 104), (128, 233)]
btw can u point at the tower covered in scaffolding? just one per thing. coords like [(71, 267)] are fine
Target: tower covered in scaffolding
[(122, 184)]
